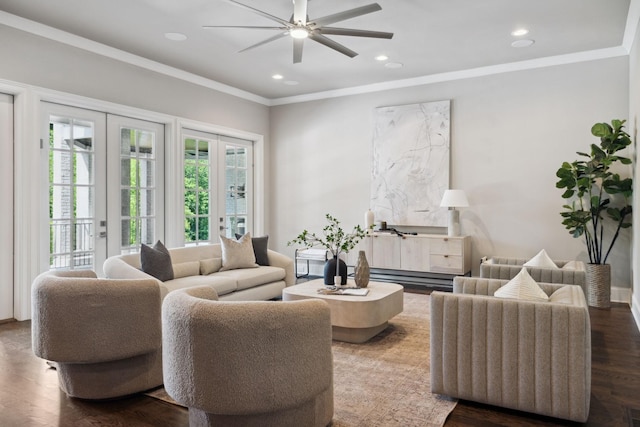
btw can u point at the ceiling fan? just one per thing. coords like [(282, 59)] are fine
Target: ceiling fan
[(300, 27)]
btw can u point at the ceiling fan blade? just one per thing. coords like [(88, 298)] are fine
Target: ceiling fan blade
[(261, 13), (297, 50), (300, 12), (248, 27), (333, 45), (355, 33), (347, 14), (269, 40)]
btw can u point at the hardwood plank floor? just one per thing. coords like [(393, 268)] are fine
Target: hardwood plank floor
[(29, 393)]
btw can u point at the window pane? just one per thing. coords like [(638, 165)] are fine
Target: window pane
[(127, 172), (203, 203), (129, 232), (83, 168), (83, 235), (230, 158), (203, 177), (61, 205), (146, 202), (84, 202), (241, 155), (62, 172), (129, 201), (190, 229), (147, 173), (203, 228), (147, 230), (190, 203), (190, 174)]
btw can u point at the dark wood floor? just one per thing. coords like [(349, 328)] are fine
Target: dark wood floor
[(29, 393)]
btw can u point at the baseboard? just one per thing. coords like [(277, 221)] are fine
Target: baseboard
[(635, 309), (621, 295)]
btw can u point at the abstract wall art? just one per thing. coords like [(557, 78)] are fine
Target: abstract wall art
[(410, 163)]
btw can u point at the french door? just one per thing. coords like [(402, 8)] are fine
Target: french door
[(218, 186), (90, 216), (6, 207)]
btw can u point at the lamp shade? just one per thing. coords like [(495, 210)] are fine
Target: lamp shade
[(454, 199)]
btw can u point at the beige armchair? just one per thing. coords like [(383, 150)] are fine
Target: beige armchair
[(261, 363), (103, 334), (524, 355)]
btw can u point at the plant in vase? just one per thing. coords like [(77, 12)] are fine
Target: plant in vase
[(335, 240), (595, 190)]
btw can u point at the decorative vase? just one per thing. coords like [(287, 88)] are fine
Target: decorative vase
[(599, 285), (330, 272), (361, 271)]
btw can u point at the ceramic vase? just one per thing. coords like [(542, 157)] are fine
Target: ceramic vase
[(330, 272), (361, 271)]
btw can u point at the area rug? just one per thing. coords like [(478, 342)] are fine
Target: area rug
[(385, 381)]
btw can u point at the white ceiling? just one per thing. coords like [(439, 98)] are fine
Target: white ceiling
[(432, 37)]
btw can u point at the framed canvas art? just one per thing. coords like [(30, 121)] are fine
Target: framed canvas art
[(410, 164)]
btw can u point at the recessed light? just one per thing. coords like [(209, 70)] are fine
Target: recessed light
[(381, 58), (522, 43), (519, 32), (176, 37), (394, 65), (291, 83), (277, 77)]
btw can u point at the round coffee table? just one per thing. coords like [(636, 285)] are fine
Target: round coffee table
[(355, 319)]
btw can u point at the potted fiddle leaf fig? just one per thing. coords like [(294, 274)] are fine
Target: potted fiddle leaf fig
[(599, 201)]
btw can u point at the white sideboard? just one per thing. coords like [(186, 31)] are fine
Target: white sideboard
[(420, 253)]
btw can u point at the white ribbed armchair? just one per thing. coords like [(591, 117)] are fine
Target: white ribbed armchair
[(524, 355)]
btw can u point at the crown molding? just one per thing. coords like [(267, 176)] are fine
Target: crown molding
[(51, 33)]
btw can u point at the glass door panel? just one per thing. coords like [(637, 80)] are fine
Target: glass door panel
[(218, 189), (76, 215), (137, 203)]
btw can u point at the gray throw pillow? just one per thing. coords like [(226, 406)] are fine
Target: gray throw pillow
[(156, 261), (260, 246)]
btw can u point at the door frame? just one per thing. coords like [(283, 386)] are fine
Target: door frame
[(7, 208)]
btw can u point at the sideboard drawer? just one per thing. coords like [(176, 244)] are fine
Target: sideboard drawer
[(445, 246), (452, 264)]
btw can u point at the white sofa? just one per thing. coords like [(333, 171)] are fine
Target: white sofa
[(245, 284)]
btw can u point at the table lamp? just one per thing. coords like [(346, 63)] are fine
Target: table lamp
[(453, 199)]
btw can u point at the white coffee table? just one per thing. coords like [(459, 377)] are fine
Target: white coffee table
[(355, 319)]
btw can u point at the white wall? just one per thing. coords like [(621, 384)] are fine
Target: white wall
[(634, 119), (510, 133)]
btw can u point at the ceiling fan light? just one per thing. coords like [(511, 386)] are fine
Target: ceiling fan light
[(299, 33)]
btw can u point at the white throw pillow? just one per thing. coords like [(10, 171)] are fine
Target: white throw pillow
[(564, 295), (541, 260), (572, 265), (522, 287), (237, 253)]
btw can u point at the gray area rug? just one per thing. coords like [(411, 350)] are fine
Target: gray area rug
[(385, 381)]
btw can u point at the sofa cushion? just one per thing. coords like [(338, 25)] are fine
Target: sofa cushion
[(222, 285), (260, 246), (237, 254), (184, 269), (210, 265), (523, 287), (541, 260), (250, 277), (156, 261)]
